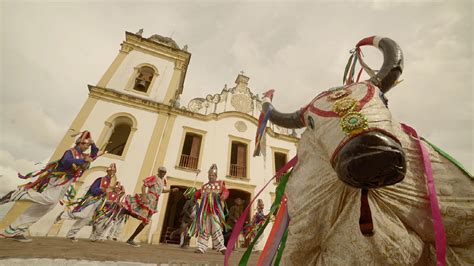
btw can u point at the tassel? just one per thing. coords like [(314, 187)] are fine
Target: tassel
[(261, 128), (279, 228)]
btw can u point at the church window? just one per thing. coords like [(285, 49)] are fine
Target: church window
[(191, 149), (280, 160), (238, 159), (119, 136)]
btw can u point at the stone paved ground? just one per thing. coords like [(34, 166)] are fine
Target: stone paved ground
[(60, 251)]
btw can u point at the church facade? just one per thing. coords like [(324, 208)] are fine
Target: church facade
[(134, 114)]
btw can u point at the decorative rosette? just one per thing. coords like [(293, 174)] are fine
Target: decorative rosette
[(344, 105), (353, 123)]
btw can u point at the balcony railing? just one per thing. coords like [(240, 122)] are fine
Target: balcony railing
[(188, 161), (238, 170)]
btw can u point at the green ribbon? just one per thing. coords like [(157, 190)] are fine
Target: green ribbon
[(279, 191), (449, 157), (346, 70)]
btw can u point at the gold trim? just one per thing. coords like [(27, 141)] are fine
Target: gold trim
[(104, 81), (173, 86), (242, 186), (247, 161), (148, 105), (190, 170)]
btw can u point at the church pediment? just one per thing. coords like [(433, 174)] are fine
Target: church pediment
[(238, 98)]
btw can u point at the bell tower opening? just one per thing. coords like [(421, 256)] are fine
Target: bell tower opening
[(143, 80)]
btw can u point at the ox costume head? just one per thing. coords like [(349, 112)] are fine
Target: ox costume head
[(363, 155)]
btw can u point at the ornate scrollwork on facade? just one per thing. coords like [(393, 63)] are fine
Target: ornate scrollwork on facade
[(282, 130), (196, 104), (216, 98), (240, 126), (242, 103), (258, 105)]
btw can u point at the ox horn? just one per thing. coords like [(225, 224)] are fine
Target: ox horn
[(287, 120), (392, 66)]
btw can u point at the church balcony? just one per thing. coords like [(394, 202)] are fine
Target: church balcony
[(188, 161), (238, 170)]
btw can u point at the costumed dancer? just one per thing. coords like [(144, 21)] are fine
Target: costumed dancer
[(250, 231), (188, 213), (210, 217), (234, 214), (143, 206), (50, 186), (84, 208), (109, 218)]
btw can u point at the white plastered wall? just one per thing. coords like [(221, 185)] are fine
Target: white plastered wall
[(215, 150), (126, 69)]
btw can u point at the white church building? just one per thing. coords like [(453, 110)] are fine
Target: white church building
[(134, 113)]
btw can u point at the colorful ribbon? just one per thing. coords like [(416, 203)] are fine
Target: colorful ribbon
[(440, 235), (240, 223), (261, 127), (274, 241), (279, 192)]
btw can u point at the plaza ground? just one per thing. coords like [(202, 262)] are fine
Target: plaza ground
[(61, 248)]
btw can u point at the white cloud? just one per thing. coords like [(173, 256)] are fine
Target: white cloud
[(28, 131), (11, 166), (51, 51)]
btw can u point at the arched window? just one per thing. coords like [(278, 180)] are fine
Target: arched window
[(121, 128), (143, 79)]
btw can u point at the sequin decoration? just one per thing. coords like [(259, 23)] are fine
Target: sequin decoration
[(344, 105), (353, 123), (337, 94)]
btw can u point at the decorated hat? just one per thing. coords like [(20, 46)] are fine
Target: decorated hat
[(112, 167), (118, 186), (84, 136), (213, 169)]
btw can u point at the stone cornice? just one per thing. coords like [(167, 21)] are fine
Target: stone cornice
[(110, 95), (136, 41)]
